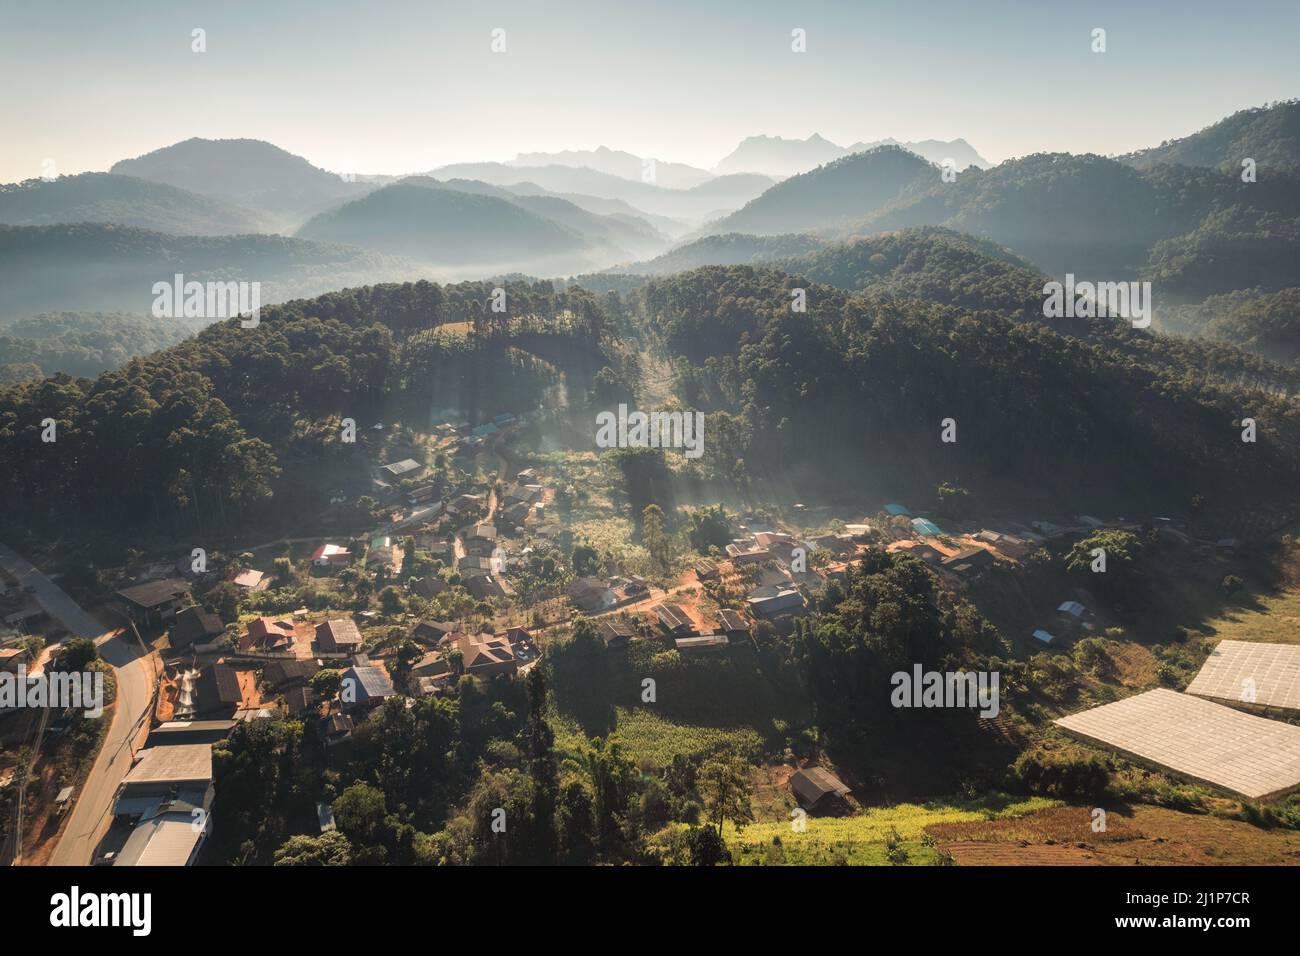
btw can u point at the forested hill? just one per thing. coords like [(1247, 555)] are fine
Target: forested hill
[(98, 267), (1192, 232), (726, 249), (246, 171), (929, 263), (1270, 135), (124, 201), (1265, 323), (858, 385), (228, 431), (835, 195), (82, 343), (445, 226)]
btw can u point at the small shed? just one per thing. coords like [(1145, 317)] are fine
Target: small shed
[(817, 787)]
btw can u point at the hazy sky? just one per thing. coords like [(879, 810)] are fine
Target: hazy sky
[(405, 86)]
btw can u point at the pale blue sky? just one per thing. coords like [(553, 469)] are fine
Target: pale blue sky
[(405, 86)]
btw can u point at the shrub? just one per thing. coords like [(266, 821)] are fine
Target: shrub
[(1067, 775)]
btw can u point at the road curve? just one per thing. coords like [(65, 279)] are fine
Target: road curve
[(92, 809)]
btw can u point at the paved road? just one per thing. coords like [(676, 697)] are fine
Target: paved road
[(50, 596), (92, 811), (92, 814)]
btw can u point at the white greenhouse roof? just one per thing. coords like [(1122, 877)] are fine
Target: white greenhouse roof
[(1250, 756)]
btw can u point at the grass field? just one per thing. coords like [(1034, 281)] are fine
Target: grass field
[(1271, 617), (650, 739), (698, 705)]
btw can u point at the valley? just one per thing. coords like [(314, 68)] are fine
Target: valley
[(562, 452)]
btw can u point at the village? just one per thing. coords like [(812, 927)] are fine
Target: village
[(474, 579)]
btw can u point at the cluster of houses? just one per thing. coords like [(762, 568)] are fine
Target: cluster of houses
[(522, 503), (594, 595), (781, 562), (171, 779), (775, 565), (163, 803), (400, 481), (729, 626), (483, 655), (468, 438)]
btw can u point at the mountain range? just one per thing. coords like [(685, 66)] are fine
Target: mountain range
[(1179, 215), (470, 224), (619, 163), (697, 202), (838, 194), (126, 201), (779, 157), (247, 172)]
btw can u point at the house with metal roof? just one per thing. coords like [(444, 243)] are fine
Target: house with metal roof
[(487, 655), (615, 631), (1072, 610), (816, 788), (194, 625), (217, 692), (159, 771), (155, 601), (365, 685), (404, 467), (926, 528), (172, 835), (338, 635), (770, 600), (698, 643), (733, 624), (673, 619)]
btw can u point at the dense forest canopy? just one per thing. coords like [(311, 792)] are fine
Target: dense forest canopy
[(82, 343), (859, 384), (192, 436), (1270, 135)]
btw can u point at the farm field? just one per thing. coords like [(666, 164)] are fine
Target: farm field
[(1139, 835), (865, 838)]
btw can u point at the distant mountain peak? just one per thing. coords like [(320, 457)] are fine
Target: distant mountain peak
[(251, 172), (620, 163), (782, 157)]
